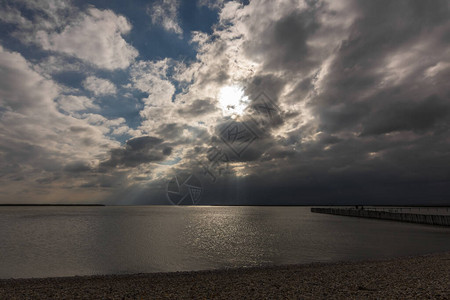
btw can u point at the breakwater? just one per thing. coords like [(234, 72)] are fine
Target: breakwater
[(442, 220)]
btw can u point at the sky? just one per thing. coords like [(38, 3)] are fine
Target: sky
[(225, 102)]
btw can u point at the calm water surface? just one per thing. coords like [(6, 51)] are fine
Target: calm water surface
[(64, 241)]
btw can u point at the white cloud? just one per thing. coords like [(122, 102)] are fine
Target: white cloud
[(37, 140), (106, 126), (211, 4), (17, 81), (96, 37), (151, 77), (99, 86), (59, 63), (165, 13), (71, 103)]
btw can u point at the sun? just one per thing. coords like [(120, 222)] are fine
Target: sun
[(232, 100)]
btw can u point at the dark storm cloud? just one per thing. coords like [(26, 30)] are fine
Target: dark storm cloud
[(144, 142), (270, 83), (402, 116), (48, 179), (174, 132), (106, 181), (170, 130), (77, 167), (385, 30), (342, 116), (382, 120), (283, 45), (138, 151)]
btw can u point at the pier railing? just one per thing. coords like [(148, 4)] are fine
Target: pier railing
[(442, 220)]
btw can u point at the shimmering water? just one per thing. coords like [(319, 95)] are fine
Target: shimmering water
[(64, 241)]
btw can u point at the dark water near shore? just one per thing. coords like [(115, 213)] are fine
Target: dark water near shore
[(65, 241)]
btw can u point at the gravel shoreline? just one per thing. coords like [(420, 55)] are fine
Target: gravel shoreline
[(411, 277)]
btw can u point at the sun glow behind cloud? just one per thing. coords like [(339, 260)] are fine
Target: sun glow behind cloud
[(232, 100)]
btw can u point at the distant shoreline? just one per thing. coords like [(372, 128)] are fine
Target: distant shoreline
[(419, 277), (52, 205), (256, 205)]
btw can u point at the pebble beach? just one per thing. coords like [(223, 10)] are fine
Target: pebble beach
[(423, 277)]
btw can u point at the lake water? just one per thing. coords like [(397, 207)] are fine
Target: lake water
[(65, 241)]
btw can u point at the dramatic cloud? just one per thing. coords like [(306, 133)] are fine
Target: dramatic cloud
[(334, 88), (137, 151), (271, 102)]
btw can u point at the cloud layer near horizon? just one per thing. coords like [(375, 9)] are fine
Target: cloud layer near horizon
[(360, 90)]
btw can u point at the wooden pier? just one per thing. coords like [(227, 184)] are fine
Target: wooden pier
[(441, 220)]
